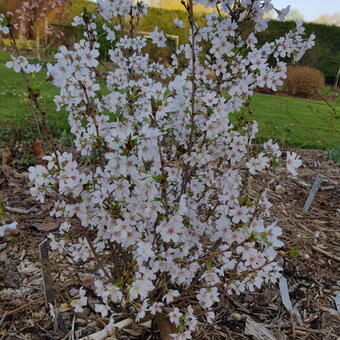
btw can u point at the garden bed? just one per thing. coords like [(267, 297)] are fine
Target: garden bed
[(310, 256)]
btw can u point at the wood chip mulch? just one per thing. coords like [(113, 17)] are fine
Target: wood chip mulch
[(311, 259)]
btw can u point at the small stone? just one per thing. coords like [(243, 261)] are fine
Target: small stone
[(305, 257), (280, 190), (236, 316), (81, 322), (16, 302), (282, 253), (64, 307), (38, 315), (74, 292), (85, 313)]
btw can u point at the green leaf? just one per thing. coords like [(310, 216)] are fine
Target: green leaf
[(294, 251), (2, 211)]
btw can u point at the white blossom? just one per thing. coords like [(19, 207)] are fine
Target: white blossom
[(156, 178)]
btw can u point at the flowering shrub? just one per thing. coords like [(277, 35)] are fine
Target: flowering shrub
[(160, 189), (32, 13)]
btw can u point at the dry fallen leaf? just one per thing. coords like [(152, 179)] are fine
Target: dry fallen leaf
[(27, 268), (46, 226), (165, 327), (257, 330), (326, 319), (87, 280), (6, 156), (16, 302), (65, 307), (135, 331)]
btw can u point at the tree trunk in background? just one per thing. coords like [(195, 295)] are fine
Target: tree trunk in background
[(45, 32), (37, 41), (337, 79), (21, 34)]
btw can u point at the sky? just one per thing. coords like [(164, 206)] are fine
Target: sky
[(311, 9)]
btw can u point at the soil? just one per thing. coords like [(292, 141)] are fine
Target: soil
[(311, 259)]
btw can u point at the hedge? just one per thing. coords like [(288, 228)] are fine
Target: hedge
[(78, 6), (325, 55)]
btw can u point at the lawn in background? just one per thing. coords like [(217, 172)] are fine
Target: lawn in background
[(13, 98), (291, 121), (297, 122)]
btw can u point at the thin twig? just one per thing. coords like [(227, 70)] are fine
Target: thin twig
[(3, 318), (26, 305), (323, 252)]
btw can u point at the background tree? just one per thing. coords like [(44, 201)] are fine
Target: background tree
[(31, 18), (331, 19), (295, 15)]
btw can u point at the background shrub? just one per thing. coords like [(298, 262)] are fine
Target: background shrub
[(325, 55), (22, 44), (303, 81)]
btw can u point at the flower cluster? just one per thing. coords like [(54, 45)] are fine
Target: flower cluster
[(21, 64), (3, 28), (160, 188), (79, 303)]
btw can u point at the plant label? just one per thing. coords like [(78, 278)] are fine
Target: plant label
[(312, 193), (47, 283), (337, 301)]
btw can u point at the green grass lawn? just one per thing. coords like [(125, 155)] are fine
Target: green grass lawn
[(13, 99), (296, 121), (292, 121)]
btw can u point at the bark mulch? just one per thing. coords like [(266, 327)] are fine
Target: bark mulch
[(311, 259)]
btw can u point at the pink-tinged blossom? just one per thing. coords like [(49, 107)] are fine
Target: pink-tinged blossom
[(169, 297), (240, 214), (179, 23), (207, 297), (159, 177), (210, 317), (258, 164), (283, 13), (174, 316), (293, 162), (156, 308), (272, 234), (190, 319), (103, 310), (78, 304), (143, 310), (17, 64), (140, 288), (170, 231), (158, 38), (182, 336)]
